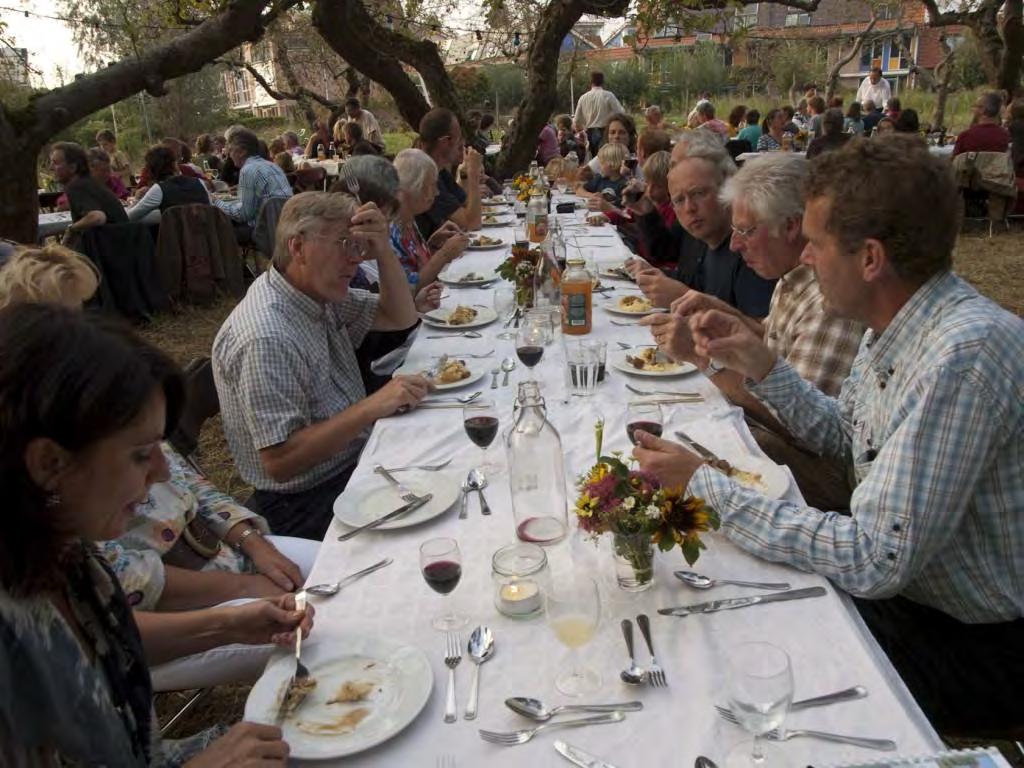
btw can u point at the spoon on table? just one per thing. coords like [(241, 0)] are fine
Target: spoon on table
[(477, 482), (697, 581), (327, 590), (634, 675), (494, 376), (507, 365), (536, 710), (481, 648), (704, 762)]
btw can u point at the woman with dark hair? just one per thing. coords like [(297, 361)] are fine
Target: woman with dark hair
[(854, 123), (207, 152), (908, 122), (832, 136), (169, 187), (84, 406), (735, 120), (620, 130), (771, 131)]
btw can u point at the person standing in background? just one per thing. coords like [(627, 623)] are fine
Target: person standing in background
[(594, 109)]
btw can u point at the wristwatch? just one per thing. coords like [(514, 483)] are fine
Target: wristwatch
[(713, 368), (246, 534)]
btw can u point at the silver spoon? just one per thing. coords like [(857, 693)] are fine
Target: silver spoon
[(477, 482), (464, 505), (704, 762), (327, 590), (494, 377), (481, 648), (635, 675), (507, 365), (535, 709), (697, 581)]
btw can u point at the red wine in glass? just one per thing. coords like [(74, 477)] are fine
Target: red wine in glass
[(481, 429), (651, 427), (530, 355), (442, 575)]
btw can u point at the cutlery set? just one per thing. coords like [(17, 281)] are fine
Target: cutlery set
[(480, 648), (635, 674)]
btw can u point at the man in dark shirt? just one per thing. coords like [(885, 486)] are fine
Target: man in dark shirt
[(441, 138), (701, 238), (92, 204), (872, 114), (986, 135)]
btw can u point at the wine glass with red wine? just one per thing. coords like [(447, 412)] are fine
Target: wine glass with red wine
[(645, 416), (441, 564), (530, 341), (480, 418)]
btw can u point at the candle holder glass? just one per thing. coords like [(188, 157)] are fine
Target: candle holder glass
[(521, 579)]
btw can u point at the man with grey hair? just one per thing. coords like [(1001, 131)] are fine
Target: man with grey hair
[(295, 410), (258, 178), (767, 214), (986, 134), (701, 244)]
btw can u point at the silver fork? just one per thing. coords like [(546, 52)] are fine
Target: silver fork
[(886, 745), (351, 182), (622, 322), (301, 672), (452, 657), (424, 467), (655, 673), (407, 495), (512, 738)]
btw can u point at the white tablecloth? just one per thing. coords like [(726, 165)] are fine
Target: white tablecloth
[(331, 166), (829, 648), (944, 151), (55, 223)]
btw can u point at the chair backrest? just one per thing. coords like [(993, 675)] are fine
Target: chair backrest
[(986, 171), (197, 254), (201, 403), (310, 179), (266, 224), (736, 147), (126, 257)]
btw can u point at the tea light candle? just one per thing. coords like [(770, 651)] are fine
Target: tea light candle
[(521, 598)]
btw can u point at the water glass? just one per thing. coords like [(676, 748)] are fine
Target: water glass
[(600, 349), (582, 362), (760, 684), (573, 606), (504, 306)]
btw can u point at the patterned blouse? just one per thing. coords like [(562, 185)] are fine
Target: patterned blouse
[(410, 247), (136, 557), (767, 143)]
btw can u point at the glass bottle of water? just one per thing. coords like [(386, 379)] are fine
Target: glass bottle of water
[(536, 471)]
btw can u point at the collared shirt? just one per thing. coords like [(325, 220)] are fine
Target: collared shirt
[(450, 197), (283, 361), (370, 126), (983, 137), (879, 92), (595, 108), (722, 273), (931, 420), (819, 345), (258, 180)]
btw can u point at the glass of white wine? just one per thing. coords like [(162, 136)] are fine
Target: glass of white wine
[(573, 606), (760, 692), (504, 306)]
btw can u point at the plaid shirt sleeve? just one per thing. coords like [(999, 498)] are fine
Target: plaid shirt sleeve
[(823, 347), (274, 400)]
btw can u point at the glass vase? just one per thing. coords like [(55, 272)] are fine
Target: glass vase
[(633, 554)]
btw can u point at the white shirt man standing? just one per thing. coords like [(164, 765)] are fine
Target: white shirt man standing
[(874, 88), (594, 109)]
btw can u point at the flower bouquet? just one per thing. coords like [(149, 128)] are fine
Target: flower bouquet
[(523, 184), (520, 269)]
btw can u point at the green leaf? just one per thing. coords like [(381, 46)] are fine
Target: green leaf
[(691, 550)]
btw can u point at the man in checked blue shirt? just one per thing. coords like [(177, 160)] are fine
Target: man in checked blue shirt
[(258, 180), (930, 423)]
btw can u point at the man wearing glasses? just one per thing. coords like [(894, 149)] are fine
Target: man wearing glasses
[(986, 135), (295, 410)]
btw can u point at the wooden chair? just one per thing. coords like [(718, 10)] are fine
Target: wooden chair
[(311, 180)]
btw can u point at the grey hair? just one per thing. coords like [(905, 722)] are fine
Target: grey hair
[(991, 104), (771, 186), (378, 180), (309, 212), (704, 145), (232, 129), (415, 167), (290, 137)]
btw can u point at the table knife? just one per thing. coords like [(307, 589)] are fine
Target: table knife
[(577, 756), (405, 509), (742, 602)]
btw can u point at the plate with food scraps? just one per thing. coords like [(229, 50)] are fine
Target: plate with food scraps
[(372, 497), (493, 220), (634, 304), (496, 200), (452, 374), (484, 243), (467, 278), (650, 362), (462, 316), (614, 272), (367, 690), (759, 474)]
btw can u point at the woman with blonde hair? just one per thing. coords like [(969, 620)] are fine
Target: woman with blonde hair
[(50, 273)]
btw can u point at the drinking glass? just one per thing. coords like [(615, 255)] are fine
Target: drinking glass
[(582, 363), (645, 416), (530, 341), (505, 305), (441, 565), (480, 419), (573, 606), (760, 692)]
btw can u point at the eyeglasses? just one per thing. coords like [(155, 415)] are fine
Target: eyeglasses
[(354, 249), (695, 195), (747, 233)]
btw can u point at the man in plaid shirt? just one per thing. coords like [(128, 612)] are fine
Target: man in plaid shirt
[(258, 180), (930, 421), (767, 211)]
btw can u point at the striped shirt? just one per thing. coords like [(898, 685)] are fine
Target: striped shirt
[(258, 180), (818, 344), (931, 421), (283, 361)]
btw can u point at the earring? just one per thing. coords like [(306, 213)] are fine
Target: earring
[(53, 500)]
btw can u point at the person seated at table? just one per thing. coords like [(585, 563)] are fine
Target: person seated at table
[(767, 211), (570, 142), (816, 112), (653, 197), (771, 131), (930, 422), (220, 146), (258, 180), (893, 108), (908, 122), (987, 134), (608, 184), (295, 411), (92, 204), (185, 166), (547, 145), (206, 154), (99, 169), (50, 273), (885, 126), (285, 161), (704, 259), (319, 140), (441, 137), (291, 143), (81, 399), (620, 130), (734, 122), (120, 165), (366, 121), (854, 123), (832, 136), (228, 170), (872, 114), (169, 187), (751, 132), (654, 118), (486, 128)]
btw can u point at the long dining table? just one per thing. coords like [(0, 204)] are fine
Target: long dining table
[(829, 647)]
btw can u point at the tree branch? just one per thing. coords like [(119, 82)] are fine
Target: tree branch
[(940, 18), (858, 42)]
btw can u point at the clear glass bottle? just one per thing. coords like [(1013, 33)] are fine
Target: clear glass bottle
[(536, 472)]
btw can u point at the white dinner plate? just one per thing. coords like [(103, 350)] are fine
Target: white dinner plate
[(489, 247), (375, 497), (774, 482), (496, 200), (619, 363), (451, 279), (439, 318), (606, 270), (496, 210), (402, 681), (499, 221), (474, 375), (613, 307)]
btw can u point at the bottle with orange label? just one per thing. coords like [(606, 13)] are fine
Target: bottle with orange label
[(537, 216), (577, 299)]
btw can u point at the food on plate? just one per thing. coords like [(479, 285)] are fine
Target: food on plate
[(345, 723), (596, 219), (470, 277), (451, 371), (647, 360), (634, 304), (490, 219), (462, 315), (296, 692), (351, 692), (496, 200), (750, 479), (481, 241)]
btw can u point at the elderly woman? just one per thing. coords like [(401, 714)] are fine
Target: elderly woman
[(169, 187), (80, 400)]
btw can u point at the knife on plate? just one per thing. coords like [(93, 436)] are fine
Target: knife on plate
[(743, 602), (405, 509), (577, 756)]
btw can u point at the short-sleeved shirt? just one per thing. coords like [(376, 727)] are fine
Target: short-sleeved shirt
[(85, 194), (603, 184), (751, 133), (450, 197), (722, 273), (283, 361)]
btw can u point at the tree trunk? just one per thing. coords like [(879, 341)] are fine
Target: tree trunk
[(19, 198), (941, 95), (983, 22), (833, 75), (1013, 40)]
